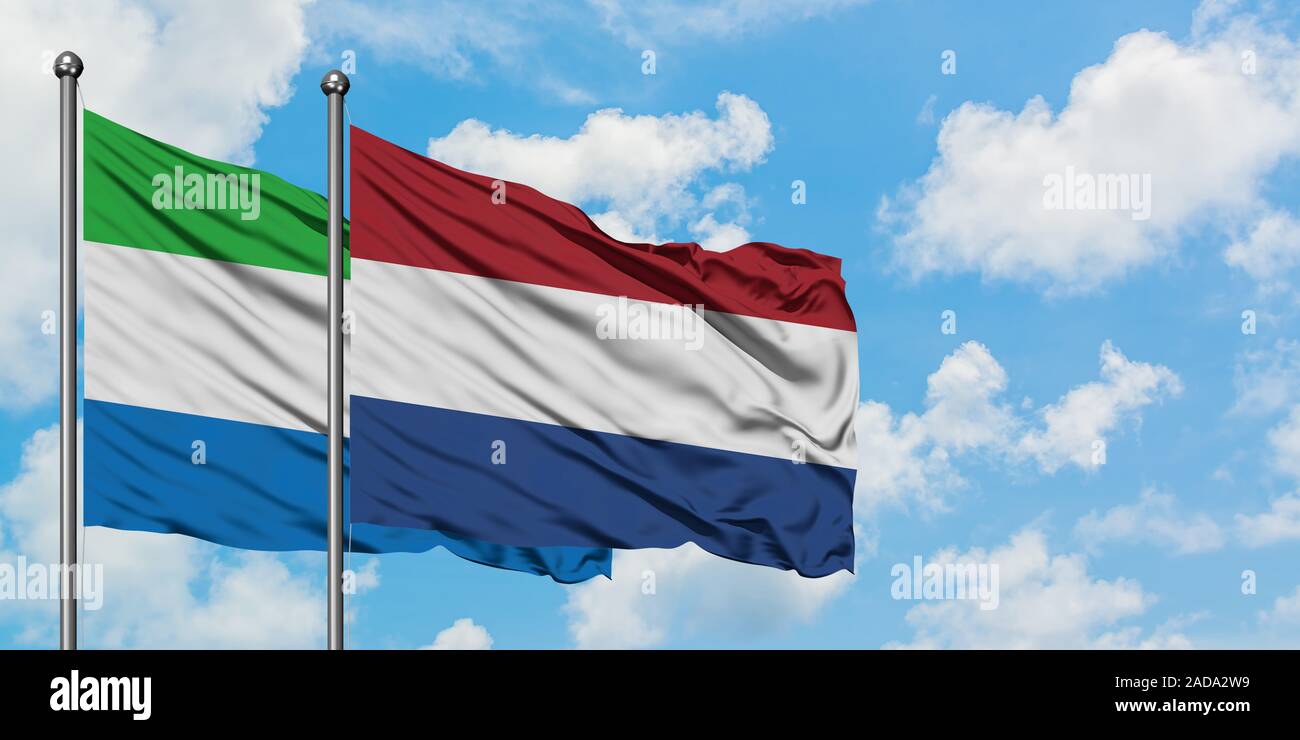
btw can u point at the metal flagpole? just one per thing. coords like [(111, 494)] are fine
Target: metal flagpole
[(335, 85), (67, 67)]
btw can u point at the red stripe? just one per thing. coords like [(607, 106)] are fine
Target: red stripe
[(411, 210)]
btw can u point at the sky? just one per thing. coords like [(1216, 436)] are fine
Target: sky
[(1104, 403)]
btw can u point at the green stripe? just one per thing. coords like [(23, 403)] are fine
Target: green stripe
[(121, 193)]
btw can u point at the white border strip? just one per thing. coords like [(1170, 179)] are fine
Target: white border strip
[(531, 352), (205, 337)]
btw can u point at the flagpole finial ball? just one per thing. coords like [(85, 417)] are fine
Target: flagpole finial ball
[(68, 64), (335, 81)]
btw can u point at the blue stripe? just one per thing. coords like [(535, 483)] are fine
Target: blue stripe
[(433, 468), (262, 488)]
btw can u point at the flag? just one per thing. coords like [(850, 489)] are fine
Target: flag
[(521, 376), (205, 359)]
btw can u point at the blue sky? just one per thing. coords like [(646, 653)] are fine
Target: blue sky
[(980, 442)]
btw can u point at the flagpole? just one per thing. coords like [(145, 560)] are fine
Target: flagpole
[(68, 67), (335, 85)]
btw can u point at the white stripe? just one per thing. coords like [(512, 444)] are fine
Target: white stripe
[(531, 352), (205, 337)]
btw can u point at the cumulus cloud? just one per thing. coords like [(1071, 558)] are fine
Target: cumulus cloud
[(1284, 440), (1045, 601), (252, 601), (660, 595), (256, 46), (463, 634), (1267, 381), (1088, 413), (729, 202), (1206, 128), (1280, 523), (640, 23), (1285, 610), (910, 458), (898, 463), (641, 169), (1155, 519), (1268, 251)]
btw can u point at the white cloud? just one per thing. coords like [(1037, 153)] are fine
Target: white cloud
[(1269, 250), (1279, 524), (29, 288), (660, 595), (1166, 636), (671, 21), (134, 74), (614, 224), (566, 92), (158, 590), (1186, 114), (1284, 439), (960, 410), (1046, 601), (365, 578), (253, 602), (910, 458), (1285, 611), (721, 236), (446, 37), (27, 501), (898, 463), (1211, 14), (642, 168), (463, 634), (925, 117), (718, 237), (1154, 519), (1090, 412), (1267, 381), (462, 40)]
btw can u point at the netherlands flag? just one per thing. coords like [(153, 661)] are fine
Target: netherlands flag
[(520, 376)]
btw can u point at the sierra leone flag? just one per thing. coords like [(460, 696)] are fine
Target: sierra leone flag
[(205, 359)]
